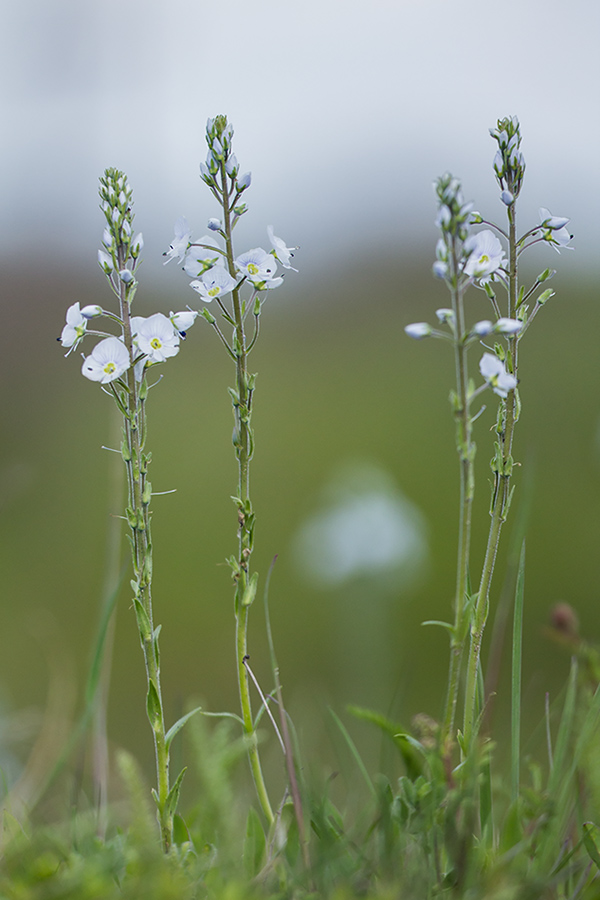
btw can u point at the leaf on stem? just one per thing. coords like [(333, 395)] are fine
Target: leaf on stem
[(176, 728)]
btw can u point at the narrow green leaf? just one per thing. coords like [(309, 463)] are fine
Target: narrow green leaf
[(153, 706), (176, 728), (143, 621), (589, 831), (446, 625), (354, 752), (173, 795), (254, 844)]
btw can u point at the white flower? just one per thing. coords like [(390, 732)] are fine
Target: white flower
[(556, 231), (156, 337), (282, 253), (181, 243), (508, 326), (107, 361), (445, 315), (183, 321), (485, 255), (484, 327), (257, 265), (200, 259), (75, 328), (440, 269), (418, 330), (215, 283), (552, 222), (496, 375)]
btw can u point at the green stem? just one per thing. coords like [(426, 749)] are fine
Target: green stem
[(243, 442), (138, 515), (466, 451), (501, 495)]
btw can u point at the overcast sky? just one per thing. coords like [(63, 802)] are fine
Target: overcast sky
[(344, 111)]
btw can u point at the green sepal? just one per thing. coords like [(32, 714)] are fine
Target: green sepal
[(234, 566), (521, 295), (250, 379), (237, 347), (147, 493), (135, 587), (173, 795), (143, 620), (500, 352), (240, 209), (155, 798), (143, 394), (208, 316), (545, 275), (257, 307), (235, 397), (250, 591), (544, 297), (125, 452), (153, 707), (176, 728), (131, 517)]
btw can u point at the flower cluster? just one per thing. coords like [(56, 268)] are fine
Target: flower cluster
[(214, 272), (461, 255), (464, 257), (142, 341), (509, 164)]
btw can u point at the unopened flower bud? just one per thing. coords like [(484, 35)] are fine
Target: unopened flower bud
[(445, 315), (245, 181), (214, 224), (418, 330), (126, 276), (482, 328), (105, 261), (89, 312), (508, 326), (137, 244), (507, 198)]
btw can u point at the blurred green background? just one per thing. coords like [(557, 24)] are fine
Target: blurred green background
[(340, 389), (344, 121)]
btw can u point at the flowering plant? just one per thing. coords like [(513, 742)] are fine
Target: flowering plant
[(487, 259), (120, 363), (239, 284)]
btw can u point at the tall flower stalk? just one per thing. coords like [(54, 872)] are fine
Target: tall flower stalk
[(119, 363), (219, 274), (466, 258)]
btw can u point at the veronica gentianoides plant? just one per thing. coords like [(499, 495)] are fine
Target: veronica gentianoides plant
[(238, 285), (487, 259), (120, 363)]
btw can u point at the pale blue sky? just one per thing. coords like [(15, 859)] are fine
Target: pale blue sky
[(344, 111)]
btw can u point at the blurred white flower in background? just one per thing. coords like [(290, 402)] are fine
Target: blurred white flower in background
[(364, 528)]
